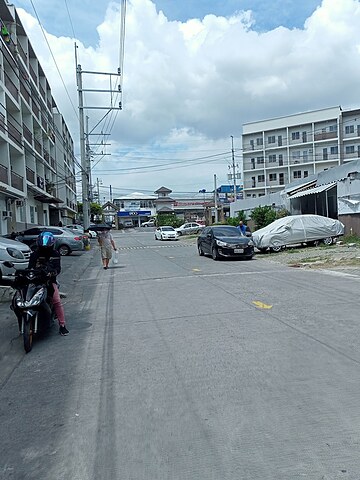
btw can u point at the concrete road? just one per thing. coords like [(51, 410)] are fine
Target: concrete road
[(178, 367)]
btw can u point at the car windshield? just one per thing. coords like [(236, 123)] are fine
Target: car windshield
[(226, 232), (167, 229)]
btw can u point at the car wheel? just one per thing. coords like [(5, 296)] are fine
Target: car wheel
[(155, 237), (200, 250), (214, 253), (64, 250), (328, 241), (277, 248)]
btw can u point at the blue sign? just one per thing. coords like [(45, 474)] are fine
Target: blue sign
[(134, 213)]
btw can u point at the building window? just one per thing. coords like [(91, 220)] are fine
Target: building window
[(253, 182), (350, 149), (271, 139), (252, 144), (295, 135), (306, 173), (281, 178), (349, 129), (32, 214), (259, 160), (296, 156), (305, 156), (281, 161), (333, 128), (325, 154), (334, 150), (261, 178), (304, 137), (272, 158), (297, 174), (280, 140), (272, 177), (259, 141)]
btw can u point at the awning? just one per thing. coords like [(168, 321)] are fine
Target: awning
[(313, 191)]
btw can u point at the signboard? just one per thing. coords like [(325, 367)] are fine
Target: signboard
[(132, 205), (129, 213)]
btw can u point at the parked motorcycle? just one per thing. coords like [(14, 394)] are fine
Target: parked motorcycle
[(32, 302)]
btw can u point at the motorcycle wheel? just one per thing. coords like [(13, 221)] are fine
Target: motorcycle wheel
[(28, 336)]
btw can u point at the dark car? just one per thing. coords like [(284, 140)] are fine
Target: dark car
[(66, 241), (225, 241)]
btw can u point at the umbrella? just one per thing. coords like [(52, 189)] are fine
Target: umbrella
[(100, 227)]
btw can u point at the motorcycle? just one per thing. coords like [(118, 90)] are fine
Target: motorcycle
[(32, 302)]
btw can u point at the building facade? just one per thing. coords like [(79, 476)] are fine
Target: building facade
[(279, 151), (37, 175)]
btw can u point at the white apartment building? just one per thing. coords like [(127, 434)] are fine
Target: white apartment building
[(279, 151), (37, 175)]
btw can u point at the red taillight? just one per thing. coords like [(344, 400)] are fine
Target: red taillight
[(77, 238)]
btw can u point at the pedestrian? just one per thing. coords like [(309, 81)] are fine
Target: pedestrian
[(60, 224), (107, 244), (241, 227), (47, 256)]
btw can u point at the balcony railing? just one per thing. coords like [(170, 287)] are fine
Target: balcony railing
[(35, 108), (4, 174), (30, 175), (22, 52), (17, 181), (27, 134), (2, 122), (46, 156), (10, 85), (33, 74), (24, 92), (324, 135), (37, 145), (14, 133)]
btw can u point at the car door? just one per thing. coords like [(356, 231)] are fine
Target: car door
[(207, 236)]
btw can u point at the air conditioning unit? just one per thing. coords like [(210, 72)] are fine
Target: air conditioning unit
[(19, 203), (6, 214)]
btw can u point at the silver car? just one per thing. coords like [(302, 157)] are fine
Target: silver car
[(66, 240), (297, 229), (15, 252)]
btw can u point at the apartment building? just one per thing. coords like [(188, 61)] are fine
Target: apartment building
[(37, 175), (279, 151)]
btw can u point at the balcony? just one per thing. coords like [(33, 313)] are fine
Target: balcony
[(37, 145), (324, 136), (24, 92), (33, 74), (17, 181), (14, 133), (4, 174), (2, 123), (10, 85), (30, 175), (27, 134), (22, 52), (35, 108)]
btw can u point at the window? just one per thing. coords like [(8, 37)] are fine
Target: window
[(271, 139), (297, 174), (280, 140), (281, 178), (272, 177), (304, 136), (295, 135), (259, 160), (296, 156), (252, 144), (32, 214), (333, 128), (306, 173), (259, 141), (272, 158), (350, 149), (349, 129), (281, 161), (261, 178), (334, 150), (325, 154)]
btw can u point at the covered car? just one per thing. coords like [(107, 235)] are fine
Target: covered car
[(297, 229)]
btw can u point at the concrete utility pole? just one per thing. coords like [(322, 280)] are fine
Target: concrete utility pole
[(215, 200), (233, 166)]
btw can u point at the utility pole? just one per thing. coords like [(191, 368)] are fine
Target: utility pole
[(233, 166), (215, 200), (84, 144)]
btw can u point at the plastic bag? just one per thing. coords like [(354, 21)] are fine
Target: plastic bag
[(116, 257)]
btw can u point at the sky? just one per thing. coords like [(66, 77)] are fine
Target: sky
[(193, 73)]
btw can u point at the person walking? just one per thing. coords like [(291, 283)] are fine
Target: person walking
[(242, 228), (107, 244), (47, 256)]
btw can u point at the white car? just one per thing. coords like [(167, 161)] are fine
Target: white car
[(149, 223), (295, 230), (166, 233), (190, 228), (13, 251)]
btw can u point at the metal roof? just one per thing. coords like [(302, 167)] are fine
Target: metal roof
[(313, 191)]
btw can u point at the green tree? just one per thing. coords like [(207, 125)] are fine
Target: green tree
[(262, 216), (235, 220), (168, 219)]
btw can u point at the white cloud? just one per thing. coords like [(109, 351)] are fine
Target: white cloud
[(189, 86)]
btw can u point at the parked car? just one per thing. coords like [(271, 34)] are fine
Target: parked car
[(297, 229), (225, 241), (66, 240), (189, 228), (149, 223), (127, 224), (13, 251), (166, 233)]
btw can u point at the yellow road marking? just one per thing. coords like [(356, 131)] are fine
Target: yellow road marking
[(261, 305)]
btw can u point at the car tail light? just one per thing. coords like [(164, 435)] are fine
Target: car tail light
[(77, 238)]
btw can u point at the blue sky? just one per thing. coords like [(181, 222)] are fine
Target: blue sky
[(191, 79), (86, 15)]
